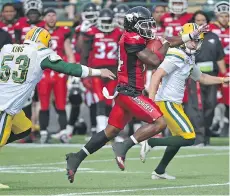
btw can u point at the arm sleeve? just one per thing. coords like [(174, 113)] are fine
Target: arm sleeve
[(62, 67), (196, 73)]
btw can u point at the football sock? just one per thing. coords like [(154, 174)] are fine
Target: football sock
[(95, 143), (171, 141), (13, 137), (93, 114), (170, 152), (129, 143), (43, 119), (62, 119), (74, 114)]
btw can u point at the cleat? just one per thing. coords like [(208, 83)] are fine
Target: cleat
[(145, 148), (3, 186), (44, 137), (156, 176), (72, 165), (118, 149)]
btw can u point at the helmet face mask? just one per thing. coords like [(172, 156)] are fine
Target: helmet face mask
[(145, 28), (105, 21), (120, 11), (221, 7), (90, 12), (32, 5), (178, 6)]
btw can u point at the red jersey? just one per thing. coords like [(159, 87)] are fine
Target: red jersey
[(9, 28), (223, 34), (58, 37), (74, 44), (104, 47), (174, 25), (24, 26), (131, 70)]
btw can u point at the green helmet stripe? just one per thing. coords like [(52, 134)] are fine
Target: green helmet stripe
[(36, 34)]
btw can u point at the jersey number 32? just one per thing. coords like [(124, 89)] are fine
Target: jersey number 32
[(18, 76)]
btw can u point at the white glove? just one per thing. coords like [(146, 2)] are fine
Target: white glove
[(85, 26), (202, 29)]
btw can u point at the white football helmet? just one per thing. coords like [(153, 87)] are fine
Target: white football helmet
[(178, 6), (32, 5), (221, 7)]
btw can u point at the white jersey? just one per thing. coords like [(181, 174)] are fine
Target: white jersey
[(20, 72), (178, 66)]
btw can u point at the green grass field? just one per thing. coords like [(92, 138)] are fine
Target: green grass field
[(36, 170)]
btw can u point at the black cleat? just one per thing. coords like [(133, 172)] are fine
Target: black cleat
[(119, 151), (72, 165)]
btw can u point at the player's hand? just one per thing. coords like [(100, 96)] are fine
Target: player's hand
[(201, 29), (162, 40), (85, 26), (226, 80), (105, 73)]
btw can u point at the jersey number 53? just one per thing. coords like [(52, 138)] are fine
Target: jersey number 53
[(18, 76)]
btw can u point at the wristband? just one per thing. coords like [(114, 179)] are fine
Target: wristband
[(96, 72), (159, 55), (222, 80), (85, 71), (185, 38)]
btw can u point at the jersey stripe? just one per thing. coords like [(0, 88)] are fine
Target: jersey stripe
[(176, 117), (36, 34), (175, 54), (3, 118)]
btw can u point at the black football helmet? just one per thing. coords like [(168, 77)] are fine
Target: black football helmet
[(105, 21), (90, 12), (139, 19), (119, 14)]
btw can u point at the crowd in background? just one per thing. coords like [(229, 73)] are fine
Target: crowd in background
[(207, 107)]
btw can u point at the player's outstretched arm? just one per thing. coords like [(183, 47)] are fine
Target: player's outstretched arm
[(211, 80), (178, 40), (73, 69)]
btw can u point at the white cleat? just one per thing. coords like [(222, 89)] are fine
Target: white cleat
[(145, 148), (3, 186), (156, 176)]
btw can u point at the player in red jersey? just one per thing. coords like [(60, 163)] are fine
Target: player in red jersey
[(176, 18), (129, 101), (101, 48), (9, 20), (158, 12), (221, 27), (119, 14), (33, 12), (60, 42)]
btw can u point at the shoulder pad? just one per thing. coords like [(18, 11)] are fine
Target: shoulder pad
[(53, 57), (133, 38)]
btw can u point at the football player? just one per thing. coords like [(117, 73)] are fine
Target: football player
[(129, 101), (9, 19), (89, 16), (101, 48), (158, 12), (178, 65), (119, 14), (60, 43), (221, 27), (33, 12), (176, 18), (21, 69)]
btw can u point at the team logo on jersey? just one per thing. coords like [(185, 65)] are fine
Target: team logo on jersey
[(212, 41), (137, 37), (99, 35)]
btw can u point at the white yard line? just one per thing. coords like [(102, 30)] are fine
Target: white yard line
[(106, 146), (145, 189), (111, 160)]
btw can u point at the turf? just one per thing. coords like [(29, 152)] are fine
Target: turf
[(30, 170)]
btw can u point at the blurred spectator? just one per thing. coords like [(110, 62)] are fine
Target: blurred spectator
[(9, 19), (202, 99), (70, 9), (158, 12)]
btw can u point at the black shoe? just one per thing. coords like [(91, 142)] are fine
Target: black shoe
[(72, 164), (120, 153)]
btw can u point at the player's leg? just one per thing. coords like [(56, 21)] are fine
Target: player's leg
[(117, 120), (101, 117), (183, 135), (5, 127), (145, 110), (44, 88), (21, 127)]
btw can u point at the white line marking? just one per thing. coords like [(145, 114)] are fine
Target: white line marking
[(145, 189), (106, 146), (111, 160)]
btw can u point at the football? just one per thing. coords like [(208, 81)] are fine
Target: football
[(154, 45)]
